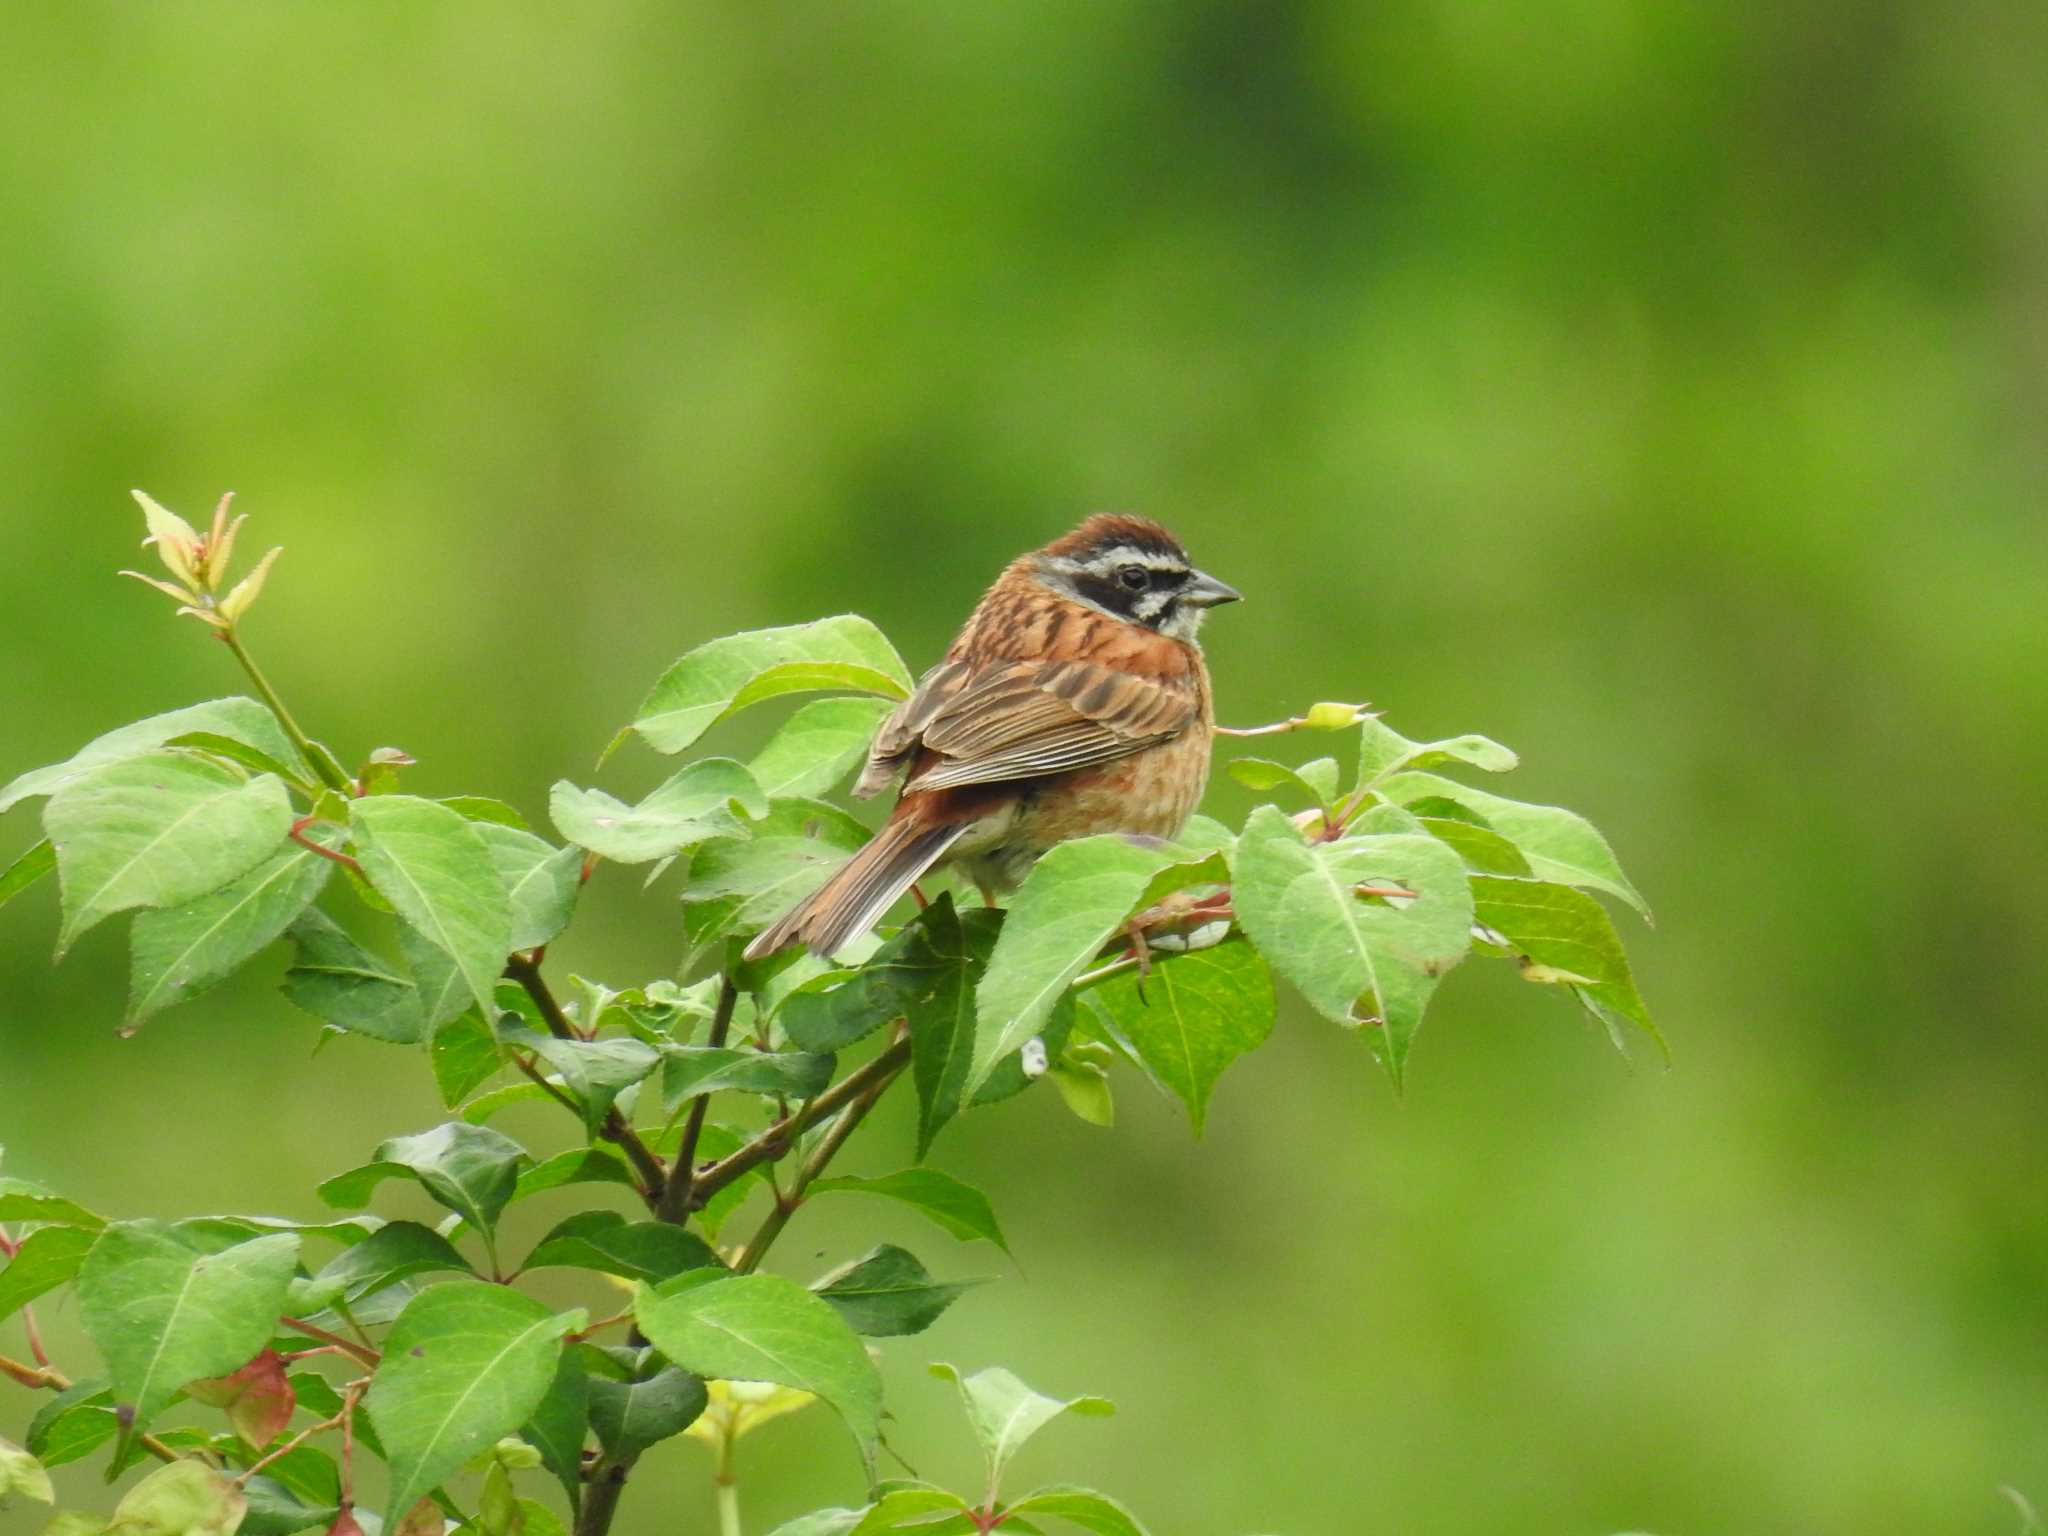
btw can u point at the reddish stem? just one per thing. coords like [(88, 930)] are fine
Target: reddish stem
[(298, 835)]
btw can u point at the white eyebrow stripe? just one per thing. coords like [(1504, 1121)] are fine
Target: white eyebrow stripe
[(1124, 554)]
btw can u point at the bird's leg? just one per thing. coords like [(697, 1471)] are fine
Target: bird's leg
[(988, 894), (1141, 951), (917, 895)]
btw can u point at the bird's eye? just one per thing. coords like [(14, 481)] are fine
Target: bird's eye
[(1135, 577)]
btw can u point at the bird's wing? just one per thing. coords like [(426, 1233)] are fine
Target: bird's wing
[(1025, 719)]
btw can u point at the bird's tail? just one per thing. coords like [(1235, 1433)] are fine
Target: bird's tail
[(863, 888)]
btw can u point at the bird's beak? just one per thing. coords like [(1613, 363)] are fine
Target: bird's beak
[(1205, 591)]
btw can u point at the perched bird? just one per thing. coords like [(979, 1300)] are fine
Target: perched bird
[(1074, 700)]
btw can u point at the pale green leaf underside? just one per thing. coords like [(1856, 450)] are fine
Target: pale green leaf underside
[(710, 798), (727, 675), (1356, 960), (1004, 1413), (243, 720), (818, 746), (157, 830), (178, 952), (1560, 845)]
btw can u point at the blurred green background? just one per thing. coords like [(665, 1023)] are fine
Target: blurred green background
[(1658, 388)]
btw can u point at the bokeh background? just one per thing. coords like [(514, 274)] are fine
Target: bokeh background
[(1658, 388)]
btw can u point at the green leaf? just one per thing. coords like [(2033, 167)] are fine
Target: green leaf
[(691, 1071), (21, 1200), (1560, 845), (727, 675), (1483, 849), (960, 1208), (709, 798), (1196, 1014), (438, 983), (164, 1311), (338, 981), (887, 1292), (1071, 904), (919, 1508), (656, 1400), (25, 871), (1354, 959), (1084, 1507), (1316, 780), (652, 1251), (471, 1169), (21, 1473), (308, 1474), (1004, 1413), (541, 881), (1384, 750), (766, 1328), (579, 1165), (1564, 935), (1084, 1088), (45, 1259), (483, 809), (595, 1072), (821, 1522), (157, 831), (466, 1364), (742, 884), (242, 720), (182, 1498), (560, 1424), (394, 1252), (275, 1510), (253, 758), (465, 1054), (479, 1110), (178, 952), (73, 1424), (434, 868), (818, 746), (933, 967)]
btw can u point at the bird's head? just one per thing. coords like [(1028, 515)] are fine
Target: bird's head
[(1132, 569)]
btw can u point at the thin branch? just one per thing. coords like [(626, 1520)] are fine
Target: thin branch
[(774, 1143), (604, 1322), (814, 1164), (654, 1177), (348, 1405), (298, 835), (684, 1190), (607, 1479), (233, 642), (361, 1353), (35, 1335), (525, 1064), (57, 1381), (9, 1247), (1326, 717)]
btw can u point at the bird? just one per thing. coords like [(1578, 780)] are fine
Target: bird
[(1075, 700)]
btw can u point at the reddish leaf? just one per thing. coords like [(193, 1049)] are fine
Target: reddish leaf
[(258, 1399)]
